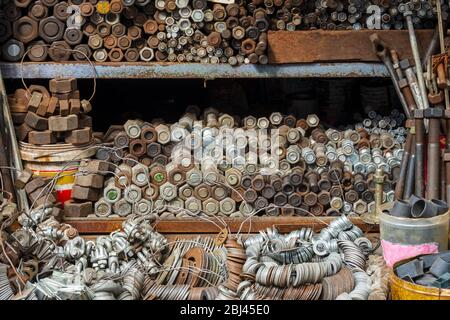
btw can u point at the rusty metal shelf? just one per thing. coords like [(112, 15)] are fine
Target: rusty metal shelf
[(119, 70), (189, 225)]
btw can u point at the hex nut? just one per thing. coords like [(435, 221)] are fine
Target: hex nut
[(360, 207), (211, 207), (263, 123), (185, 192), (227, 206), (51, 29), (62, 124), (25, 29), (312, 120), (194, 177), (59, 51), (193, 204), (13, 50), (168, 191)]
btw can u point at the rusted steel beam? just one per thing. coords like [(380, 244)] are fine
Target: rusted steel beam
[(284, 224), (325, 46)]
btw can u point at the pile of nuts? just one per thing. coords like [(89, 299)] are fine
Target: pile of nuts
[(254, 166), (44, 117), (182, 30), (47, 259)]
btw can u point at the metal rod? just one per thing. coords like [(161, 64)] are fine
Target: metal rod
[(5, 157), (416, 55), (433, 165), (409, 185), (400, 186), (17, 161), (382, 52), (420, 140)]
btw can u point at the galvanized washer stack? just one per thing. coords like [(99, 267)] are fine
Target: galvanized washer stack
[(320, 172), (183, 30)]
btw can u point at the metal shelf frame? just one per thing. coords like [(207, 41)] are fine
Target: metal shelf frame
[(129, 70)]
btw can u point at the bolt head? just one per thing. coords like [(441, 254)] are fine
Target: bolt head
[(168, 191)]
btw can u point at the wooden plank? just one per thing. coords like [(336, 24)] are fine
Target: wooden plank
[(197, 226), (333, 46)]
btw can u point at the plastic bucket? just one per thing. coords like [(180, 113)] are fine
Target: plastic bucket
[(56, 159), (402, 238), (405, 290)]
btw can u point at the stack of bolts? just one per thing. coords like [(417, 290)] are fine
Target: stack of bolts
[(183, 30), (42, 117), (319, 172)]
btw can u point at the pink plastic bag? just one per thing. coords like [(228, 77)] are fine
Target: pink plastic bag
[(393, 252)]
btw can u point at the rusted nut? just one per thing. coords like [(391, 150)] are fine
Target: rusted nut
[(158, 175), (134, 32), (110, 42), (5, 29), (60, 11), (150, 27), (202, 191), (214, 39), (115, 55), (238, 33), (149, 134), (324, 198), (316, 210), (41, 137), (250, 195), (360, 207), (124, 42), (118, 30), (138, 147), (76, 209), (63, 124), (89, 29), (82, 51), (310, 199), (116, 6), (22, 132), (36, 122), (34, 101), (248, 46), (59, 51), (95, 42), (131, 55), (51, 29), (63, 85), (79, 136), (351, 196), (25, 29), (73, 36), (86, 9), (103, 29), (280, 199), (13, 50), (37, 11), (83, 193)]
